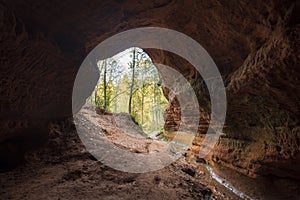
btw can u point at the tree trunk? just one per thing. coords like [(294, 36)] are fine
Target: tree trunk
[(96, 88), (132, 82), (143, 106), (105, 85)]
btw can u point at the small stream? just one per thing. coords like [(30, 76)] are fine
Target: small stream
[(226, 184)]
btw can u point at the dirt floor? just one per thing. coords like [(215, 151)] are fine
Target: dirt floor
[(64, 169)]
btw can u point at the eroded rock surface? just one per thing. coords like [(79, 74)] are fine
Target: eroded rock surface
[(253, 43)]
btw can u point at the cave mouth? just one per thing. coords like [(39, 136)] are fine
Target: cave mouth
[(130, 83)]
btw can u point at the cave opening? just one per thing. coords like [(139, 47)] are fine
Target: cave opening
[(130, 83)]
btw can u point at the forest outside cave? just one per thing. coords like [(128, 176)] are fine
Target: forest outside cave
[(130, 83)]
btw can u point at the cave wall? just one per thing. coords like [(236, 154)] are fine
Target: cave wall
[(253, 43)]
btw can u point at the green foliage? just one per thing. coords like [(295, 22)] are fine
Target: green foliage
[(110, 90), (147, 100)]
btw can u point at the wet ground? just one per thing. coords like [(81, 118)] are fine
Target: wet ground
[(269, 188)]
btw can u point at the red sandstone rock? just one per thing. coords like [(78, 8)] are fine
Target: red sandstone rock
[(253, 43)]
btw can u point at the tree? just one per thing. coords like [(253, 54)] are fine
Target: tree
[(105, 85), (109, 75), (132, 65), (134, 91), (121, 95)]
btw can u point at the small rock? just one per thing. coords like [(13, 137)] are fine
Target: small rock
[(189, 171), (156, 180)]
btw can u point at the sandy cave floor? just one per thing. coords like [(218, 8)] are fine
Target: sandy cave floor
[(65, 170)]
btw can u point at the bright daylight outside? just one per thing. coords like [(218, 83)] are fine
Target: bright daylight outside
[(130, 83)]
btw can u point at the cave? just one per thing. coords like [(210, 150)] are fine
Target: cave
[(254, 46)]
